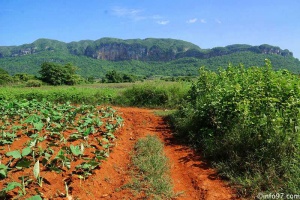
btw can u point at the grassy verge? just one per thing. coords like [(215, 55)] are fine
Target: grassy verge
[(155, 94), (61, 94), (149, 94), (151, 174)]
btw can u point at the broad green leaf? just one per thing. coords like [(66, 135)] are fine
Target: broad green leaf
[(34, 135), (68, 164), (24, 163), (12, 185), (87, 131), (98, 122), (32, 143), (75, 136), (15, 154), (60, 153), (81, 148), (14, 128), (26, 151), (38, 125), (109, 127), (93, 163), (31, 119), (36, 197), (75, 150), (105, 140), (36, 169), (3, 171)]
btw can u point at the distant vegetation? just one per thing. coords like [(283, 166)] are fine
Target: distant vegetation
[(149, 57), (55, 74), (115, 77)]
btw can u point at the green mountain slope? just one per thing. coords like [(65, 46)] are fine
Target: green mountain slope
[(140, 57)]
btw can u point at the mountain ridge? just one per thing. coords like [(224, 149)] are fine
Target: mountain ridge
[(147, 57), (148, 49)]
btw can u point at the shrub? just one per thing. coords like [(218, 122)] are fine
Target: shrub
[(56, 74), (33, 83), (247, 122), (154, 94), (5, 79)]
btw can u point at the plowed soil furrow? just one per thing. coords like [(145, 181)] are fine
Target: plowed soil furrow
[(191, 176)]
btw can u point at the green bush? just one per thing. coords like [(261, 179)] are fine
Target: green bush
[(33, 83), (247, 122), (56, 74), (60, 94), (5, 79), (155, 94)]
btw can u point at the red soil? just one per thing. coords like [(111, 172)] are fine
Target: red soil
[(190, 174)]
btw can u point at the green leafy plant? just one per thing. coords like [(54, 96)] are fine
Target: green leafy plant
[(47, 124), (23, 161), (10, 186), (86, 168), (77, 150), (35, 121), (36, 173), (3, 171), (246, 121), (35, 197)]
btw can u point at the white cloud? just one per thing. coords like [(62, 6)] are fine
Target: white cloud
[(134, 14), (203, 21), (163, 22), (137, 14), (218, 21), (156, 17), (191, 21)]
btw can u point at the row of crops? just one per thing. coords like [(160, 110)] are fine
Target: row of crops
[(247, 122), (38, 138)]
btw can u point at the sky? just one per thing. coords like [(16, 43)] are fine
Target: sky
[(206, 23)]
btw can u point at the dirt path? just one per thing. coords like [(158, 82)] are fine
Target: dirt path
[(190, 175)]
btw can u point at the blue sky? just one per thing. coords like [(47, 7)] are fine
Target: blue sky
[(206, 23)]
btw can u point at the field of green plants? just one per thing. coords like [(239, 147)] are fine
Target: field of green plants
[(246, 122), (148, 94), (39, 139)]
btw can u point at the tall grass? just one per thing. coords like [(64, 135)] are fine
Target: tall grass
[(155, 94), (152, 175), (148, 94), (61, 94), (247, 121)]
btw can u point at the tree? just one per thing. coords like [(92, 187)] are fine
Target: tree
[(2, 71), (113, 77), (56, 74), (23, 77), (5, 78)]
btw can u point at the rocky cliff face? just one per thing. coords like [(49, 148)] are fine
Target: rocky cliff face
[(144, 50), (121, 51), (117, 51)]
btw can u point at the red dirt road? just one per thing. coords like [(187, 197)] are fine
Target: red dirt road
[(190, 175)]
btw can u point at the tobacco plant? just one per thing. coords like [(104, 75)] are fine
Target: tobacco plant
[(58, 134)]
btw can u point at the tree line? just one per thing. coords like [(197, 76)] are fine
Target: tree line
[(66, 74)]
